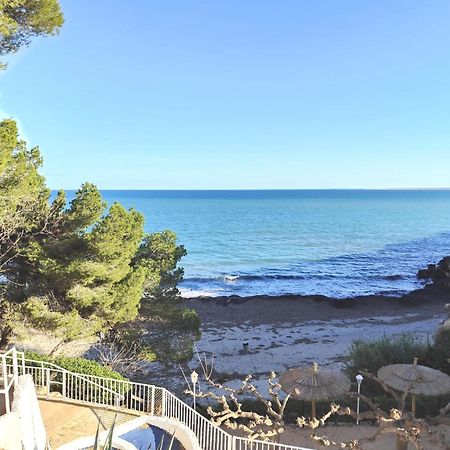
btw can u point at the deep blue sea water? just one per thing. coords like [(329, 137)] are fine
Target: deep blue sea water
[(338, 243)]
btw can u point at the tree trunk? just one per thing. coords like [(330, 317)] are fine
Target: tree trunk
[(5, 335), (56, 348)]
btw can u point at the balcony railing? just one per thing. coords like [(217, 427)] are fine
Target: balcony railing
[(137, 397), (8, 375)]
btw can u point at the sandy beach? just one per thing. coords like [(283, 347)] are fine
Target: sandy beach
[(284, 332)]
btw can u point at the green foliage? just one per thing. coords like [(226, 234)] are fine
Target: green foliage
[(84, 269), (189, 320), (174, 347), (440, 351), (83, 367), (147, 354), (23, 194), (21, 20), (164, 332), (8, 316), (372, 355), (67, 326), (77, 365), (76, 269), (160, 253), (172, 316)]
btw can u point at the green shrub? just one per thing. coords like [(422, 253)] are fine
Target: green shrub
[(440, 352), (189, 320), (77, 365), (83, 367), (148, 354), (87, 367), (372, 355)]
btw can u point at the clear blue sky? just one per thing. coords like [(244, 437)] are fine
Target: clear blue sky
[(239, 94)]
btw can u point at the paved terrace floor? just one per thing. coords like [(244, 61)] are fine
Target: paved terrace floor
[(65, 422)]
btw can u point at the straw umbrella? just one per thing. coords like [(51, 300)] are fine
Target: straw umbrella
[(312, 384), (418, 380)]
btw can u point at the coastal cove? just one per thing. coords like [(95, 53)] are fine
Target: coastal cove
[(224, 225)]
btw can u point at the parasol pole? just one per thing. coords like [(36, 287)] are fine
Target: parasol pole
[(313, 409)]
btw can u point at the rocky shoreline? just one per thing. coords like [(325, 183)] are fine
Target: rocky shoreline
[(429, 300)]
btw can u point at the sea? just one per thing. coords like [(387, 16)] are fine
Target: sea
[(339, 243)]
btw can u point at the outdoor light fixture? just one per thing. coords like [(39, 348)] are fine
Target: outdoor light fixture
[(359, 379), (194, 379)]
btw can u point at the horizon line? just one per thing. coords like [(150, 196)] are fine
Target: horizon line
[(265, 189)]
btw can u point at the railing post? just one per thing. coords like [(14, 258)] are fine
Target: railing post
[(7, 404), (5, 372), (41, 377), (152, 404), (5, 384), (163, 406), (64, 386), (15, 367), (48, 381)]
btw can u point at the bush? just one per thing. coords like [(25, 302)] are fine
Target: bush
[(83, 367), (77, 365), (189, 320), (371, 356), (164, 332), (440, 352)]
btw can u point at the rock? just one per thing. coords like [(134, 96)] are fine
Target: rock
[(438, 273)]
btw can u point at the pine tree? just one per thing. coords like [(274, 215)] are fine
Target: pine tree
[(20, 20), (74, 269)]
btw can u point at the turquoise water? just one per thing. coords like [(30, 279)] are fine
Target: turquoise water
[(336, 243)]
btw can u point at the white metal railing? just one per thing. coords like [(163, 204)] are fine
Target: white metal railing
[(138, 397), (9, 372)]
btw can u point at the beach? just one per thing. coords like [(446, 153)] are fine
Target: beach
[(289, 331)]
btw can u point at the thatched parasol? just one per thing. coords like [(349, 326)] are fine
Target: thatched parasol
[(418, 380), (312, 384)]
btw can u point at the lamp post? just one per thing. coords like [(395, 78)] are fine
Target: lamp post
[(359, 379), (194, 379)]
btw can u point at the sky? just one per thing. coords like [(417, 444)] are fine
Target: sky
[(289, 94)]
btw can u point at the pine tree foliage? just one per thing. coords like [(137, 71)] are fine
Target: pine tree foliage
[(74, 268), (21, 20)]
